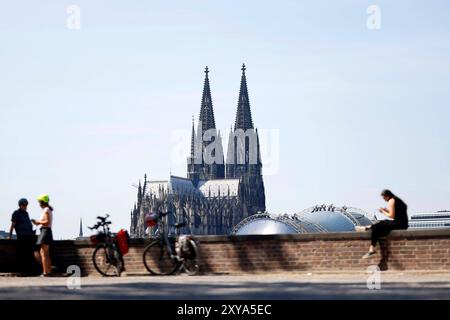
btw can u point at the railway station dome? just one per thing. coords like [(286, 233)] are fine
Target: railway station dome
[(316, 219)]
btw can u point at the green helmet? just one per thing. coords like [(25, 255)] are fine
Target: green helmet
[(44, 198)]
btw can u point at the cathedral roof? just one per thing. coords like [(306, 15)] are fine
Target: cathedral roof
[(219, 187), (210, 188), (181, 185)]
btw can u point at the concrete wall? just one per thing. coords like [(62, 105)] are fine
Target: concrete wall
[(402, 250)]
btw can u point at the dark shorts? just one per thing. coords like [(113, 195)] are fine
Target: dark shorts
[(45, 237)]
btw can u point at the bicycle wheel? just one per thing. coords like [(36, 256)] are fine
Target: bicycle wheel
[(157, 259), (191, 265), (107, 260)]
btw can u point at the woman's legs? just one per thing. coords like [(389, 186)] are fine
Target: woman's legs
[(37, 256), (376, 231), (380, 229), (45, 256)]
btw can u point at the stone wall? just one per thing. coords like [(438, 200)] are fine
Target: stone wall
[(402, 250)]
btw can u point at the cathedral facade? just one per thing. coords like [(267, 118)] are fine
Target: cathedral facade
[(216, 194)]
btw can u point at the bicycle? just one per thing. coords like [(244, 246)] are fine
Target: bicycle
[(166, 255), (107, 255)]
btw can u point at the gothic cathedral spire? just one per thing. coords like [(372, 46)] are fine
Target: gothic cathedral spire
[(206, 120), (243, 113), (197, 168), (244, 155), (81, 228), (193, 140)]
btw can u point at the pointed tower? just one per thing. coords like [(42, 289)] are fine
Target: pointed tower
[(81, 228), (231, 155), (139, 196), (144, 189), (206, 119), (194, 160), (201, 167), (243, 154), (243, 114)]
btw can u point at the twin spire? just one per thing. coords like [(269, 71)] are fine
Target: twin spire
[(206, 120), (243, 114), (238, 161)]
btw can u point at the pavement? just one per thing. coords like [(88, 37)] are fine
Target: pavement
[(354, 286)]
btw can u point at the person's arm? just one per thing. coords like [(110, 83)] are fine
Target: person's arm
[(13, 224), (390, 211), (44, 219)]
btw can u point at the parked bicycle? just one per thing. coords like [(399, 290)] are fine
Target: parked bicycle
[(167, 255), (110, 248)]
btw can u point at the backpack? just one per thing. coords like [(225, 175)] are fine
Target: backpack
[(184, 247)]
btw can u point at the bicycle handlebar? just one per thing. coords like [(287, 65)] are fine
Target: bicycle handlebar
[(101, 223), (103, 218)]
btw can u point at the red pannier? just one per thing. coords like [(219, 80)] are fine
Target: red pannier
[(97, 238), (94, 239), (123, 241)]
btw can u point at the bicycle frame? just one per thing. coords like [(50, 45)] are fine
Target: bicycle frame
[(108, 239), (170, 244), (162, 235)]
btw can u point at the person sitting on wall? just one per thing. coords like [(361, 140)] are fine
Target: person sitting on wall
[(396, 211)]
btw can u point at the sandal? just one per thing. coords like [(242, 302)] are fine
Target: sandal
[(369, 254)]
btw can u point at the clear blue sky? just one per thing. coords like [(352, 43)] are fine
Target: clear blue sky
[(84, 113)]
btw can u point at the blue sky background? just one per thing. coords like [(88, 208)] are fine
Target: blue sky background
[(84, 113)]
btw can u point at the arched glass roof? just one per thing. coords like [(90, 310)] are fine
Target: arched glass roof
[(267, 226), (317, 219)]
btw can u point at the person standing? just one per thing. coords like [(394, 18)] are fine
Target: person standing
[(21, 223), (396, 211), (45, 237)]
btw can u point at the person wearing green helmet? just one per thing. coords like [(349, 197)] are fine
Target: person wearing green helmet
[(45, 238)]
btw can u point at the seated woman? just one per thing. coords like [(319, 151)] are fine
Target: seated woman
[(397, 211)]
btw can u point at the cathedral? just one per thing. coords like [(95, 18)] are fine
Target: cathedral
[(216, 194)]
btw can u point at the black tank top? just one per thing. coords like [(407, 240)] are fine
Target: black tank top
[(401, 215)]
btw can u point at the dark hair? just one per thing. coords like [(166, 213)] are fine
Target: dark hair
[(387, 193), (23, 202), (47, 204)]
